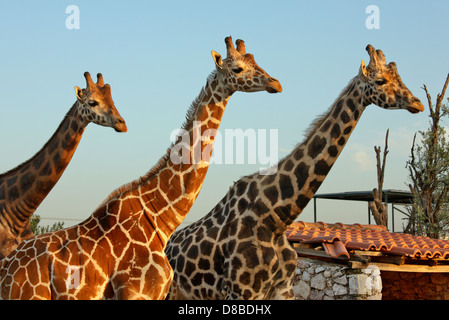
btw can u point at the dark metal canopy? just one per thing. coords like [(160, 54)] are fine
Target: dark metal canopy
[(388, 196)]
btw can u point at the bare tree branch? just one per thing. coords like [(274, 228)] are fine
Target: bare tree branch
[(429, 101), (440, 96)]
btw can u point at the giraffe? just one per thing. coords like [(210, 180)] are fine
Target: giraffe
[(118, 252), (23, 188), (239, 249)]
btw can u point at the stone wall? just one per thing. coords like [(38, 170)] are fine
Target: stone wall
[(415, 286), (318, 280)]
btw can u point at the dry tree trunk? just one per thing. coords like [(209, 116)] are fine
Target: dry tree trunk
[(377, 207)]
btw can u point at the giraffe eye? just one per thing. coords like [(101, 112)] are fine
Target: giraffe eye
[(381, 82), (237, 70), (92, 103)]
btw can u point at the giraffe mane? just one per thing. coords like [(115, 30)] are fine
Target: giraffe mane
[(190, 115), (195, 104), (319, 120)]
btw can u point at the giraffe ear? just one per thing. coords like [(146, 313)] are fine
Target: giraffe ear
[(79, 93), (362, 72), (217, 59)]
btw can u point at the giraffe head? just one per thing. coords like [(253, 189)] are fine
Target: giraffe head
[(240, 71), (383, 85), (97, 105)]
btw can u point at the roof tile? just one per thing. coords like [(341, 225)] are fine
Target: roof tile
[(338, 239)]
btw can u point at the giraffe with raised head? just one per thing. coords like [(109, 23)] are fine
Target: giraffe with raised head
[(239, 250), (23, 188), (118, 252)]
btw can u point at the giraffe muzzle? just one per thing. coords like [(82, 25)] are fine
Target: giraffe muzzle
[(120, 125), (273, 86), (416, 107)]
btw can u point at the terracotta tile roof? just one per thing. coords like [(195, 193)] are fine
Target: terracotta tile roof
[(338, 239)]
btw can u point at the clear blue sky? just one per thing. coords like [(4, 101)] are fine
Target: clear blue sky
[(156, 56)]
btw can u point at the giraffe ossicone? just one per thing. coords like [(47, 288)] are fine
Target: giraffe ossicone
[(23, 188), (239, 250), (118, 252)]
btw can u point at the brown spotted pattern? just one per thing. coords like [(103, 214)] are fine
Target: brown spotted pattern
[(239, 249), (23, 188), (118, 253)]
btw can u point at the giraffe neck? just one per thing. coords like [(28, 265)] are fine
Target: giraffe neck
[(24, 188), (301, 173), (166, 193)]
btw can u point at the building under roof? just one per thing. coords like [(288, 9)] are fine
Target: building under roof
[(411, 267)]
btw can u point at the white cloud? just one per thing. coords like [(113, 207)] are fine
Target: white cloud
[(364, 162)]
